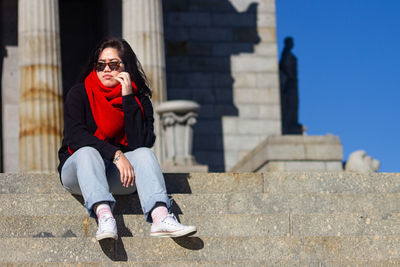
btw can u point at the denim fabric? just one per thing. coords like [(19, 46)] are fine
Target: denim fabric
[(86, 173)]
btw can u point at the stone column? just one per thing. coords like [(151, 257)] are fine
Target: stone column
[(142, 28), (40, 103), (177, 119)]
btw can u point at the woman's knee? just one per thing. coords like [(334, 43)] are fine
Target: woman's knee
[(87, 152), (142, 154)]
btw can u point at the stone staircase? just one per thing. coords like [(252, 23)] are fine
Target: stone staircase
[(247, 219)]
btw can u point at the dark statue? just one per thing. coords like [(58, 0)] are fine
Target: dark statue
[(289, 90)]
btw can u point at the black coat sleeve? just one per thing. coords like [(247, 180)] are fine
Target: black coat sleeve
[(77, 131), (139, 129)]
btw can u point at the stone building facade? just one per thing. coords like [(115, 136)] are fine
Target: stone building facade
[(221, 54)]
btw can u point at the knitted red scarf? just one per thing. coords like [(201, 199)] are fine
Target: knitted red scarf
[(106, 105)]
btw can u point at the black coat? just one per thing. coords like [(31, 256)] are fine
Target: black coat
[(80, 126)]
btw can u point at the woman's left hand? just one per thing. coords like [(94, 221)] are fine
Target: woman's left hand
[(125, 168), (125, 80)]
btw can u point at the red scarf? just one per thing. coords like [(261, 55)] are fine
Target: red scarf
[(106, 105)]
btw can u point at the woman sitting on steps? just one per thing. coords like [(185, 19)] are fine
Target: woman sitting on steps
[(108, 129)]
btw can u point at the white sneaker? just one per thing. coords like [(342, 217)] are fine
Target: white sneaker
[(107, 228), (170, 227)]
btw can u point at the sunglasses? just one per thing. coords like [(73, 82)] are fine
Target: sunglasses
[(113, 65)]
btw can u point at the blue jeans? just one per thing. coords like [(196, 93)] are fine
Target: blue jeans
[(86, 173)]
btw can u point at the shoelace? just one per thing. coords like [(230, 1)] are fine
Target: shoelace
[(106, 221), (172, 216)]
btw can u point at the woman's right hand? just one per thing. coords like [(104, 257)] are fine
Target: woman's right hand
[(125, 169)]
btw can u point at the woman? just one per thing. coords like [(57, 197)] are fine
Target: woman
[(108, 129)]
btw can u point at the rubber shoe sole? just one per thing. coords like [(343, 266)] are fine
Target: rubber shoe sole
[(106, 235), (190, 230)]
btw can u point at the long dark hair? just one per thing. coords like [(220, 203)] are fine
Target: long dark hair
[(125, 52)]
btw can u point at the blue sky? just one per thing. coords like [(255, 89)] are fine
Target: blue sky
[(348, 55)]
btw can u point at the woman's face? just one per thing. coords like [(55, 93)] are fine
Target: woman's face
[(110, 71)]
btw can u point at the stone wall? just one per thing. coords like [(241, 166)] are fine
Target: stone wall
[(223, 55)]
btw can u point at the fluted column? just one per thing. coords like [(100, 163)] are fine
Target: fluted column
[(143, 28), (40, 103)]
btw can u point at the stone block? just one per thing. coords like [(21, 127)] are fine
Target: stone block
[(176, 5), (255, 127), (234, 19), (331, 182), (10, 76), (176, 33), (226, 109), (253, 63), (200, 49), (267, 80), (210, 64), (334, 166), (222, 80), (179, 93), (188, 19), (178, 64), (245, 80), (301, 165), (271, 111), (365, 263), (249, 111), (230, 125), (266, 20), (200, 79), (291, 152), (10, 148), (266, 6), (207, 142), (256, 96), (177, 48), (313, 147), (203, 95), (262, 5), (224, 96), (240, 142), (177, 80), (246, 35), (210, 5), (285, 202), (267, 35), (324, 152), (304, 166), (276, 152), (345, 224), (10, 121), (228, 49), (214, 183), (230, 159), (211, 34), (266, 49), (207, 111)]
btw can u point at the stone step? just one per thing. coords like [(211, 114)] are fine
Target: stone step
[(331, 182), (197, 204), (135, 225), (205, 263), (18, 183), (222, 225), (270, 182), (333, 249)]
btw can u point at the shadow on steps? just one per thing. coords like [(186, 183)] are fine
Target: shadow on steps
[(115, 249)]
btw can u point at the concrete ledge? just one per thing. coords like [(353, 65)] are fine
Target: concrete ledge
[(294, 153)]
